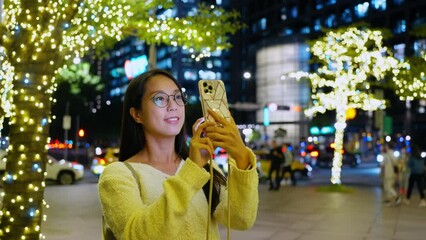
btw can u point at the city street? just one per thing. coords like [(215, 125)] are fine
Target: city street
[(299, 212)]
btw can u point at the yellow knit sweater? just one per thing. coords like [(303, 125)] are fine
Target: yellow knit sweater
[(174, 207)]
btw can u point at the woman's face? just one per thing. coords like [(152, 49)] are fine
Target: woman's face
[(166, 121)]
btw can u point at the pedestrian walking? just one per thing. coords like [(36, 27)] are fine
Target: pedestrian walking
[(417, 167), (404, 171), (389, 174), (287, 171), (276, 158)]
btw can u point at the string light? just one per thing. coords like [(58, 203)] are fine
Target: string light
[(348, 57), (410, 79)]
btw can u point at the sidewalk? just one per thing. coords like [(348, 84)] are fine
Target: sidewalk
[(299, 213), (303, 213)]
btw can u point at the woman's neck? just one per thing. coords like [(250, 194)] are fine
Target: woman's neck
[(160, 150)]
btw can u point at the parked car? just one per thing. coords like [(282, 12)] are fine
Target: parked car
[(102, 158), (326, 155), (300, 168), (61, 171)]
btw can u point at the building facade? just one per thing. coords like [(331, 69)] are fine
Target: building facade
[(277, 24)]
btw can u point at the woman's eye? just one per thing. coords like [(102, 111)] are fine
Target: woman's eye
[(159, 98)]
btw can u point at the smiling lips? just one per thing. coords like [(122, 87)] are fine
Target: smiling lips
[(172, 119)]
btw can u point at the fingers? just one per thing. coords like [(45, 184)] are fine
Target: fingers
[(217, 117), (196, 127), (201, 150)]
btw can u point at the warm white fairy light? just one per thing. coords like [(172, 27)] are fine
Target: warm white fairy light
[(6, 83), (347, 57), (410, 79)]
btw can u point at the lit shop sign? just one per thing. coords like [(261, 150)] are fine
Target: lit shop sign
[(135, 66), (322, 131)]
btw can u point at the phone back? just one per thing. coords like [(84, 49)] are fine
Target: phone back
[(213, 96)]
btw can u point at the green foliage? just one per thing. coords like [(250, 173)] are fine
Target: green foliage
[(79, 76), (207, 28), (419, 31), (335, 188)]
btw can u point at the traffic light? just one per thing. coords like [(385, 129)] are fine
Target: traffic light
[(81, 133)]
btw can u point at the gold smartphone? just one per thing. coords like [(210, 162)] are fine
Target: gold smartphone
[(213, 96)]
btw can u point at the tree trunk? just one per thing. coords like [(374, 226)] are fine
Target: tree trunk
[(22, 210), (152, 60), (338, 143)]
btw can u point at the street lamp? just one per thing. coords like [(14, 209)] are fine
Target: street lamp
[(247, 75)]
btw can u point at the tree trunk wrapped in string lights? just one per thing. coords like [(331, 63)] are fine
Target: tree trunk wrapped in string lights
[(40, 37), (349, 60)]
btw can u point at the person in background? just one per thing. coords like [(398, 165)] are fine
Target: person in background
[(276, 157), (287, 172), (159, 188), (389, 175), (404, 171), (417, 167)]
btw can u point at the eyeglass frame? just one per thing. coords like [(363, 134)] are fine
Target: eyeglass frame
[(183, 95)]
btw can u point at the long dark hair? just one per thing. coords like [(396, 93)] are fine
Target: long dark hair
[(133, 136)]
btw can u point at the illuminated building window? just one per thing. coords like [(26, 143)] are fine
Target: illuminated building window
[(294, 12), (319, 4), (330, 2), (400, 26), (361, 10), (217, 63), (347, 16), (399, 51), (419, 46), (262, 24), (305, 30), (165, 63), (379, 4), (190, 75), (287, 31), (330, 21), (317, 24)]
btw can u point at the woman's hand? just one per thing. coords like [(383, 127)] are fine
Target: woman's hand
[(201, 149), (226, 135)]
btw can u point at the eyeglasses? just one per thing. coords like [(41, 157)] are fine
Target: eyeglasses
[(161, 99)]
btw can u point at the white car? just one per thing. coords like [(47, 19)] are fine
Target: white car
[(62, 171)]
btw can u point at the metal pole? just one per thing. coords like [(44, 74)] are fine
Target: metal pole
[(77, 127), (407, 122), (67, 108)]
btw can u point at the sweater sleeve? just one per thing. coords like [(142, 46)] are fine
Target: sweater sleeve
[(131, 218), (243, 197)]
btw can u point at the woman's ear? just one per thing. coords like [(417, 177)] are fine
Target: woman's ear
[(136, 115)]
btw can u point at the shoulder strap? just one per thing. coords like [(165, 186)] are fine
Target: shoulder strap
[(134, 173)]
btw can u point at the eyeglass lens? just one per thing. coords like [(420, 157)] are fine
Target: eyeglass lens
[(162, 99)]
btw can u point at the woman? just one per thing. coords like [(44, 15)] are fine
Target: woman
[(389, 175), (174, 180)]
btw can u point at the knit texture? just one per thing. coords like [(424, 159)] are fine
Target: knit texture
[(174, 207)]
